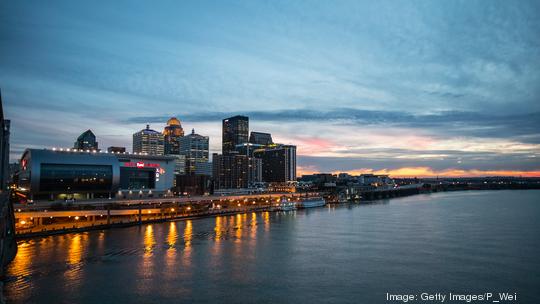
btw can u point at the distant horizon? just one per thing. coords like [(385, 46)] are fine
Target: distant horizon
[(429, 89)]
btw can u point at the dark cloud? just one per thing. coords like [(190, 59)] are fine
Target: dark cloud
[(452, 123)]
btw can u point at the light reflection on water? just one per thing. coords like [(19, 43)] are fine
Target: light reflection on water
[(172, 237), (351, 253), (76, 250)]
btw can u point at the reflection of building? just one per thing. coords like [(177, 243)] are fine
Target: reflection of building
[(86, 141), (195, 149), (148, 141), (278, 163), (50, 174), (114, 149), (172, 134), (234, 132)]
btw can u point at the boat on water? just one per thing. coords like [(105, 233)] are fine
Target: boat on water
[(285, 205), (311, 202)]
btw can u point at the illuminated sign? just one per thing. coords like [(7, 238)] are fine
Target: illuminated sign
[(23, 164), (141, 165)]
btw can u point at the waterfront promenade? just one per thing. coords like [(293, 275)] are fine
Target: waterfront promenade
[(44, 218)]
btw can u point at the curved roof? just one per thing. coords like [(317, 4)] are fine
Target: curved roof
[(173, 121), (85, 134)]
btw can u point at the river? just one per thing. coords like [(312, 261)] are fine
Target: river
[(461, 242)]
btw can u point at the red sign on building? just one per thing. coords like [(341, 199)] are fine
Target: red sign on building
[(141, 165)]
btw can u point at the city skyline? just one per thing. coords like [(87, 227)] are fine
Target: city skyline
[(447, 89)]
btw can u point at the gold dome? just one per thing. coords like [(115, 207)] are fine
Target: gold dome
[(173, 121)]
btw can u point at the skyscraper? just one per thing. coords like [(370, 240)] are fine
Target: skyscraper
[(235, 132), (278, 163), (230, 171), (172, 134), (195, 148), (148, 141), (260, 138), (86, 141)]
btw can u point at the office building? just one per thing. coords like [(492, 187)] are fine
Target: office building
[(278, 163), (195, 148), (235, 171), (179, 164), (172, 134), (260, 138), (148, 141), (234, 132), (86, 141), (204, 168)]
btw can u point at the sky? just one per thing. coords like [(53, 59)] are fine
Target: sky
[(407, 88)]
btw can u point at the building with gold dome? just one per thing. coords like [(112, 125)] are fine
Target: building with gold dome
[(172, 133)]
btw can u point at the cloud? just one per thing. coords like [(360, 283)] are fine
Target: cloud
[(455, 87), (453, 123)]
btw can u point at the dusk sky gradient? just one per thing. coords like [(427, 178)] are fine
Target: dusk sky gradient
[(409, 88)]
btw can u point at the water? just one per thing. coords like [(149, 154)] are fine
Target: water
[(460, 242)]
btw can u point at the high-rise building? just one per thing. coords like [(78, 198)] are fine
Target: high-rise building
[(179, 164), (230, 171), (86, 141), (172, 134), (260, 138), (235, 171), (235, 132), (195, 148), (278, 163), (148, 141)]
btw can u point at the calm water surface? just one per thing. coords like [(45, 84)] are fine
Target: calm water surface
[(461, 242)]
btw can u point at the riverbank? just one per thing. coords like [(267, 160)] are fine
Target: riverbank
[(124, 224), (440, 241), (373, 196)]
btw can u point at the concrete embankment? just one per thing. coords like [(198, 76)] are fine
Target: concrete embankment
[(8, 245), (119, 224)]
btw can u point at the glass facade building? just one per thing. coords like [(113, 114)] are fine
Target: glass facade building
[(149, 142), (234, 132), (86, 141), (64, 177), (195, 149), (51, 175), (172, 133)]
